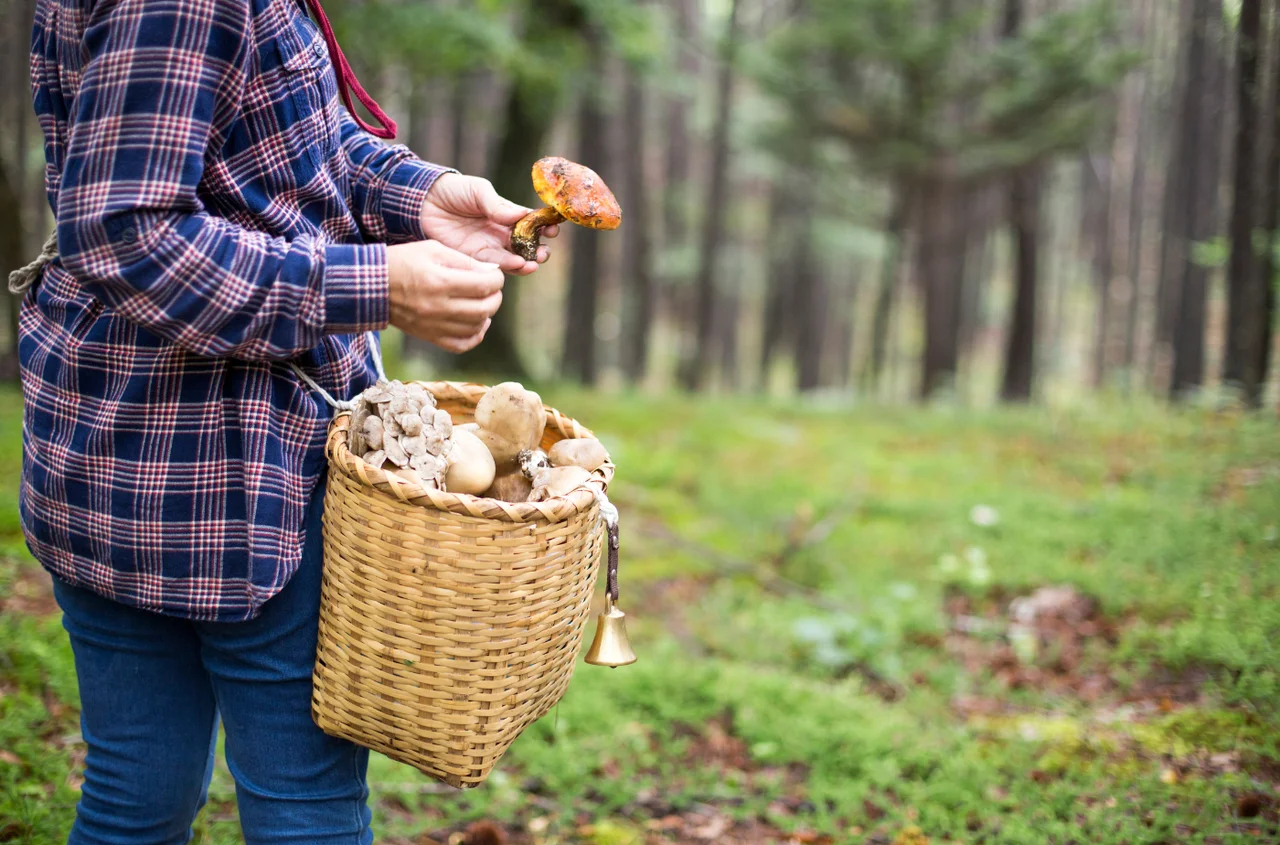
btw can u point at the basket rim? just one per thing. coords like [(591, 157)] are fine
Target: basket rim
[(561, 508)]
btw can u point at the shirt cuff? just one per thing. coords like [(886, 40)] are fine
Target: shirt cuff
[(356, 288), (402, 195)]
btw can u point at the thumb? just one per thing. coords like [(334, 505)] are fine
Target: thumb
[(499, 210)]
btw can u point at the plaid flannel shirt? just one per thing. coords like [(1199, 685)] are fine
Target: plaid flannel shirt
[(219, 213)]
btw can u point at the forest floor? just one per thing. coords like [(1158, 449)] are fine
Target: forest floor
[(855, 625)]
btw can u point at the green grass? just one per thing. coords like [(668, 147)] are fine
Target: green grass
[(824, 685)]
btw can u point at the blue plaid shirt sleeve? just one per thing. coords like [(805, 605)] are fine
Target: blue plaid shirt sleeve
[(161, 88), (389, 185)]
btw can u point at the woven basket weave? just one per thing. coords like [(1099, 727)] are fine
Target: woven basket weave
[(449, 623)]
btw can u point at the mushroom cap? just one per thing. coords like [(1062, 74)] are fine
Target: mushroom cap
[(577, 192)]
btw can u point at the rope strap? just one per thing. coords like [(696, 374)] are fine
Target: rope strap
[(375, 352), (24, 278)]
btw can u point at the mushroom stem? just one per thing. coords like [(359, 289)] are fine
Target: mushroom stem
[(524, 237)]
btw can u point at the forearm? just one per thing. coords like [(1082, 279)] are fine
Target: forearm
[(389, 185), (219, 290)]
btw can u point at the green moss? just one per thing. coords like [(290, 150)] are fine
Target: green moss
[(827, 658)]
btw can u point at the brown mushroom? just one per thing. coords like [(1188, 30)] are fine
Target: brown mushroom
[(572, 192)]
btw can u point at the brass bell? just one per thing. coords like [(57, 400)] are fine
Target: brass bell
[(611, 647)]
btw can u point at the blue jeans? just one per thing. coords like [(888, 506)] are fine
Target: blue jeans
[(152, 689)]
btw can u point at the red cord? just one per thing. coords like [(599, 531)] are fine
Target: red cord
[(347, 81)]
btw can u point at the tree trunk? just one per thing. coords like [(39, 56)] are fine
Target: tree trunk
[(809, 290), (941, 272), (979, 261), (1097, 177), (676, 128), (728, 313), (637, 245), (579, 348), (844, 298), (1137, 225), (12, 256), (1245, 296), (780, 284), (894, 228), (1201, 160), (460, 118), (1269, 203), (1024, 220), (418, 139), (1178, 115), (530, 110), (697, 365)]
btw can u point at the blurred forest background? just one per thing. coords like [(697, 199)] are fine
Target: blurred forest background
[(899, 198), (859, 620)]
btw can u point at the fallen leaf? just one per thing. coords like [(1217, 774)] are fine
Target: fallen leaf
[(911, 835), (1250, 804), (10, 758), (11, 831), (712, 830)]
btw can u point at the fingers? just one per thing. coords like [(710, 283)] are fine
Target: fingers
[(471, 284), (461, 343), (452, 258), (551, 231), (474, 311), (499, 210)]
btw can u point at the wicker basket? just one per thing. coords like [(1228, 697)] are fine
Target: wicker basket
[(448, 622)]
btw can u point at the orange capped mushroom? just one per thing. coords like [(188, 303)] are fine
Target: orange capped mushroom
[(572, 192)]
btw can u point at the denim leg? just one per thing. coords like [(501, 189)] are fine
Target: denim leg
[(147, 715), (294, 783)]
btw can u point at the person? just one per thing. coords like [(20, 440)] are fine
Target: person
[(219, 216)]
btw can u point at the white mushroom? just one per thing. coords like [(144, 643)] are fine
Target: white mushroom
[(555, 482), (410, 424), (511, 486), (373, 432), (585, 452), (511, 420), (395, 452), (471, 467)]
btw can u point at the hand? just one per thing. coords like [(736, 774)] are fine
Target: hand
[(442, 296), (466, 213)]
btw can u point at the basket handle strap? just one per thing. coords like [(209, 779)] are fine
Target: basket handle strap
[(610, 515), (375, 352)]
